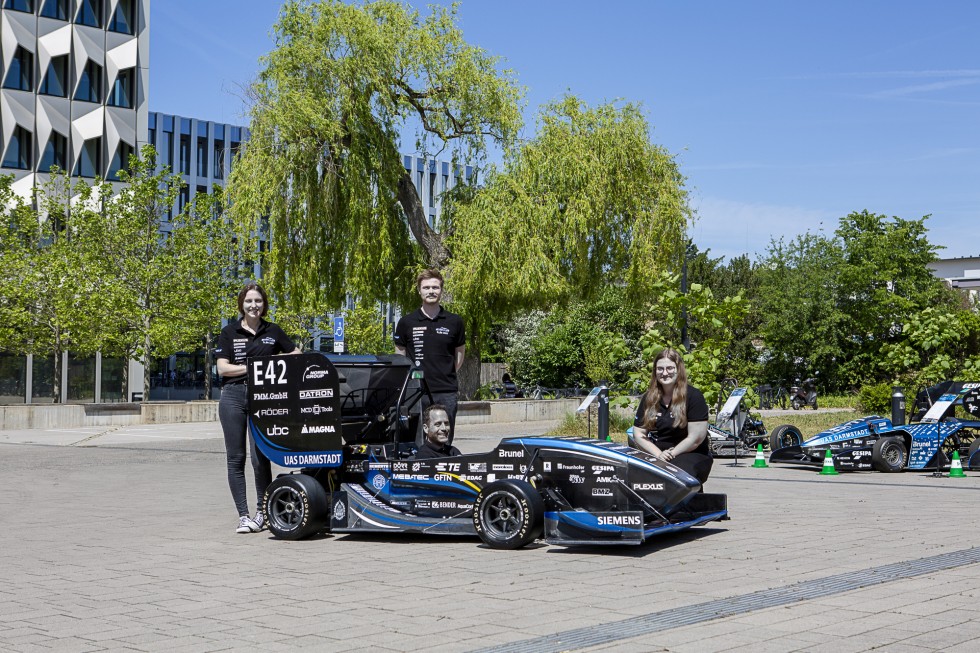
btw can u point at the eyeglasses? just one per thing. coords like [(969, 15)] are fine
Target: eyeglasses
[(666, 370)]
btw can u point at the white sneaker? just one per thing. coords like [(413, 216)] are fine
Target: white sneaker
[(258, 522), (246, 525)]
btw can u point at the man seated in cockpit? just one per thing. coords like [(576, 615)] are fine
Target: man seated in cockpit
[(436, 427)]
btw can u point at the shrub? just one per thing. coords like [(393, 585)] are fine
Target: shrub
[(875, 398)]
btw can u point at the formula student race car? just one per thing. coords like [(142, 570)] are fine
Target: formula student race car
[(347, 427), (734, 418), (874, 443)]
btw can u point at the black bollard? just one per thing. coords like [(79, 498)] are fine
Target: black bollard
[(898, 406)]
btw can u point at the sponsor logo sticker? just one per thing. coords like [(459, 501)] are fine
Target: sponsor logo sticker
[(322, 393)]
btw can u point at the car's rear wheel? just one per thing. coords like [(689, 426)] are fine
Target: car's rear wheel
[(296, 506), (508, 514), (888, 455), (945, 453), (785, 435)]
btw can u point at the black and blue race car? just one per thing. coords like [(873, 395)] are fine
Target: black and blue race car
[(346, 427), (874, 443)]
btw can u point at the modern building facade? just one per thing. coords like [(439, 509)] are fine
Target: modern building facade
[(75, 76)]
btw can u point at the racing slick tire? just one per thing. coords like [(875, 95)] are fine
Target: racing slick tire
[(785, 435), (508, 514), (296, 506), (972, 459), (888, 455)]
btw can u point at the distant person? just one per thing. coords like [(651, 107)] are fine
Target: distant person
[(435, 426), (672, 418), (435, 340), (510, 388), (245, 338)]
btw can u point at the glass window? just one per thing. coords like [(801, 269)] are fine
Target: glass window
[(55, 80), (42, 379), (122, 91), (166, 149), (21, 73), (185, 154), (55, 9), (19, 5), (219, 159), (120, 160), (185, 126), (113, 379), (90, 83), (81, 378), (122, 19), (151, 120), (13, 378), (184, 198), (432, 189), (90, 162), (55, 153), (202, 156), (18, 150), (89, 13)]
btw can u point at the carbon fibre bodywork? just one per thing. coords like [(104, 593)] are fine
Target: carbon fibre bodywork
[(358, 447)]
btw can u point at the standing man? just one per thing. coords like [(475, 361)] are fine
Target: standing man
[(434, 339)]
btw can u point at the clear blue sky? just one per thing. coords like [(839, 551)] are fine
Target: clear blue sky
[(784, 115)]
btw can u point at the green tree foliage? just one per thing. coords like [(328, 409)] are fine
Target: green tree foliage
[(711, 323), (151, 295), (588, 201), (323, 161), (804, 329), (42, 283), (365, 332), (843, 305), (566, 347)]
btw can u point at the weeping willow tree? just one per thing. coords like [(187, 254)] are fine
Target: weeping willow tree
[(330, 104), (589, 201)]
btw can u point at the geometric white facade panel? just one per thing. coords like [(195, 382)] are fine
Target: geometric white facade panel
[(74, 100), (56, 43)]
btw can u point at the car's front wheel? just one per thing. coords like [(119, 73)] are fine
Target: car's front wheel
[(296, 506), (785, 435), (888, 455), (508, 514)]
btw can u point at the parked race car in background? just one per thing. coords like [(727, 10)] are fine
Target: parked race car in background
[(347, 427), (874, 443), (735, 418)]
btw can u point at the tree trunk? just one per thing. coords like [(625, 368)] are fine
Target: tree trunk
[(146, 359), (430, 240), (469, 374), (208, 348)]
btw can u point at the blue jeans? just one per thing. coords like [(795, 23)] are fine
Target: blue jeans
[(233, 414)]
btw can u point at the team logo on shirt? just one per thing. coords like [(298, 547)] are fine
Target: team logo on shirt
[(268, 341), (442, 331)]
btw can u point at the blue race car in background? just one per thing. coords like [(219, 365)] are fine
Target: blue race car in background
[(874, 443)]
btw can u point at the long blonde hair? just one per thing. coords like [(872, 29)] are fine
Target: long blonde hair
[(678, 400)]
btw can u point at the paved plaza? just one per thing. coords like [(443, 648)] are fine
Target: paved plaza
[(123, 539)]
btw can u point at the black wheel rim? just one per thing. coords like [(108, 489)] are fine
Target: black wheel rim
[(285, 509), (892, 455), (502, 515)]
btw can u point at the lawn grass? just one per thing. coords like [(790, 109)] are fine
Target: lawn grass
[(807, 421)]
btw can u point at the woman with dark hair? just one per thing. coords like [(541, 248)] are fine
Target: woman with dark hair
[(244, 338), (672, 418)]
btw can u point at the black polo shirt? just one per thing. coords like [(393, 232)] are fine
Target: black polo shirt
[(433, 343), (428, 450), (236, 345), (664, 434)]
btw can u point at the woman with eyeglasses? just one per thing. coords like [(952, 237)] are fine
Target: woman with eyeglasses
[(672, 419)]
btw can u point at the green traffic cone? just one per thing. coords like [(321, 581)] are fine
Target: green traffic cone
[(828, 465), (956, 467), (760, 459)]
